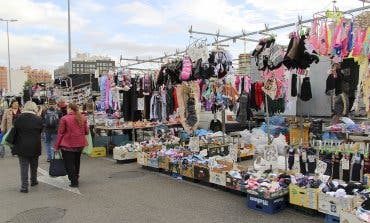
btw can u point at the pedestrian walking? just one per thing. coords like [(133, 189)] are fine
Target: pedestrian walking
[(27, 143), (71, 140), (9, 116), (50, 119)]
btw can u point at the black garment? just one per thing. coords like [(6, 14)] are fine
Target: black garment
[(275, 106), (306, 93), (25, 163), (244, 113), (336, 164), (311, 160), (294, 91), (356, 168), (28, 129), (191, 117), (302, 166), (215, 125), (328, 160), (253, 104), (291, 153), (129, 103), (72, 163), (330, 84), (170, 101)]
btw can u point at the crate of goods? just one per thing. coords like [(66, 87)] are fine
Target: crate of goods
[(187, 170), (246, 150), (123, 154), (266, 194), (174, 166), (217, 178), (98, 152), (201, 172), (348, 217), (153, 162), (334, 205), (164, 163), (331, 219), (142, 158), (305, 197), (270, 206), (233, 183)]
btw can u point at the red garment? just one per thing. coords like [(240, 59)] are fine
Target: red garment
[(259, 94), (70, 134), (175, 99), (367, 165)]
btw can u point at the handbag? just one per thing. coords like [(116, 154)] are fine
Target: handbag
[(10, 137), (57, 166)]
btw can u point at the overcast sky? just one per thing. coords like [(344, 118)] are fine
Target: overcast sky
[(138, 28)]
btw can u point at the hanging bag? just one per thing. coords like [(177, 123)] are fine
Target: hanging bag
[(57, 166)]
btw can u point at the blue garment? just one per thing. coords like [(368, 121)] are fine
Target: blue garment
[(350, 38), (49, 143)]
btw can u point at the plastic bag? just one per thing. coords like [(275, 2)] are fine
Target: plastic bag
[(280, 144), (89, 148)]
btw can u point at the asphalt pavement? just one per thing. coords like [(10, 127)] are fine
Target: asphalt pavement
[(111, 192)]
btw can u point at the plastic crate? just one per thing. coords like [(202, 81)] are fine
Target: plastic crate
[(269, 206), (120, 140), (101, 141), (98, 152), (331, 219)]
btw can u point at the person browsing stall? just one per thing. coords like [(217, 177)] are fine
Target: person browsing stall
[(71, 140)]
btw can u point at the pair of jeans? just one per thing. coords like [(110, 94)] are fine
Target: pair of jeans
[(72, 164), (24, 164), (49, 143)]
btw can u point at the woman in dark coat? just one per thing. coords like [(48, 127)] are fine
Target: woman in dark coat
[(27, 143)]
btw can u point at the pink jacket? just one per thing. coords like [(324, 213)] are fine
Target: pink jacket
[(70, 134)]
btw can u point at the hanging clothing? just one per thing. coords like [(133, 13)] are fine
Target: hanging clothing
[(306, 93), (356, 167)]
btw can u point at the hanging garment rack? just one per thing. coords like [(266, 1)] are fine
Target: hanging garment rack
[(300, 21), (191, 31), (243, 35)]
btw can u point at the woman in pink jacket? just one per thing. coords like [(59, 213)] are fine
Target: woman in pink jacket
[(71, 140)]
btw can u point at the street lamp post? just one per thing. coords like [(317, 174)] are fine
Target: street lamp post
[(69, 39), (7, 34)]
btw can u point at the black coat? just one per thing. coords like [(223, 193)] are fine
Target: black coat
[(27, 141)]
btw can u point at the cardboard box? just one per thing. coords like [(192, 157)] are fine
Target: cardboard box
[(334, 205), (217, 178), (120, 154), (347, 217), (164, 163), (305, 197), (201, 173), (142, 158), (187, 171)]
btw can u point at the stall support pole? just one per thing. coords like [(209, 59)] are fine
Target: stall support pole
[(223, 114), (267, 120)]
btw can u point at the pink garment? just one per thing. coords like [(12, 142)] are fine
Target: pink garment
[(237, 83), (247, 84), (359, 40), (323, 49), (314, 38)]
